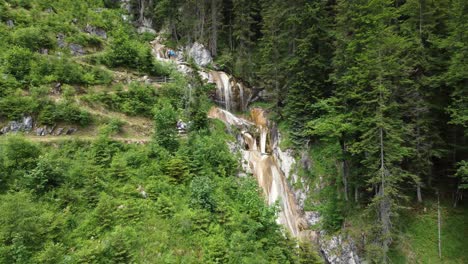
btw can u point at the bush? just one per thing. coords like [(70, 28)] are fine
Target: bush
[(14, 107), (113, 127), (71, 114), (33, 38), (63, 112), (125, 52), (165, 126), (26, 4), (64, 70), (17, 62), (138, 100), (43, 177)]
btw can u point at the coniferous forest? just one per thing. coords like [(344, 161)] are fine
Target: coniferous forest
[(107, 153)]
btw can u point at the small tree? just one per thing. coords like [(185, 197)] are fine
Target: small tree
[(165, 119)]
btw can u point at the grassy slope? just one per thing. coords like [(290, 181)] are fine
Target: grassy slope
[(419, 243)]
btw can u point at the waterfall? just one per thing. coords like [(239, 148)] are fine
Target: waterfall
[(265, 167), (257, 144)]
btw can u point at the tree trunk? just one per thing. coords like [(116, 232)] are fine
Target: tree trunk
[(418, 192), (439, 226), (356, 194), (345, 169), (214, 28)]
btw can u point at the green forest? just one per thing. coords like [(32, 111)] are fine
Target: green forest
[(371, 95)]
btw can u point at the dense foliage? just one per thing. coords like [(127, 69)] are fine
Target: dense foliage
[(374, 91), (106, 202), (94, 198), (385, 80)]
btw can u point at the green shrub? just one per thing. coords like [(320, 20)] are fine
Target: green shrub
[(33, 38), (86, 40), (126, 52), (165, 126), (114, 126), (46, 70), (13, 107), (69, 113), (17, 62), (63, 112), (26, 4)]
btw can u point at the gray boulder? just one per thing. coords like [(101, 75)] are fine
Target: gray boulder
[(41, 131), (337, 250), (200, 54), (5, 130), (71, 130), (26, 125), (15, 126), (61, 40), (96, 31), (143, 29), (10, 23), (59, 131), (77, 49)]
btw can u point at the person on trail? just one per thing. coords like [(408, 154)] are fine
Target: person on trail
[(171, 53), (181, 126)]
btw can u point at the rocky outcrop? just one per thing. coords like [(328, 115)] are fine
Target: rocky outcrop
[(337, 250), (96, 31), (76, 49), (200, 54), (61, 40), (25, 125), (10, 23)]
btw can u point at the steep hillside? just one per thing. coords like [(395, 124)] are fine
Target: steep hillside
[(233, 131), (93, 167)]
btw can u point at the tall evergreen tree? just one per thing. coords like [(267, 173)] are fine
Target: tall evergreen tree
[(369, 76)]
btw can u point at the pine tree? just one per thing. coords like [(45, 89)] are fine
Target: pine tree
[(310, 66), (369, 77)]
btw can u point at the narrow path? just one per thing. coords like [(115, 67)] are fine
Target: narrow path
[(47, 139), (141, 122)]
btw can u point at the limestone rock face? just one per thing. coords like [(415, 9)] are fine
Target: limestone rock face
[(337, 250), (200, 54)]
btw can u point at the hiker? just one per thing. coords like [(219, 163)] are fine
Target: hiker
[(181, 126), (171, 53)]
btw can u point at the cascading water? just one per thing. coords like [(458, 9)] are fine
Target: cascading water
[(265, 167), (257, 148), (262, 157)]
